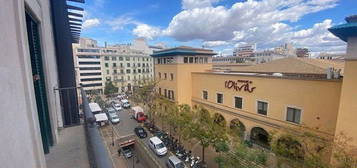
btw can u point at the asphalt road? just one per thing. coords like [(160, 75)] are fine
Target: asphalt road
[(126, 127)]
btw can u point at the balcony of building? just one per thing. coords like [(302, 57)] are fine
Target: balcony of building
[(81, 145)]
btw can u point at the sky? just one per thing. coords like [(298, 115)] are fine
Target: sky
[(220, 25)]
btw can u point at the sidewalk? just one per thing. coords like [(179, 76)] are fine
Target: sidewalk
[(118, 161)]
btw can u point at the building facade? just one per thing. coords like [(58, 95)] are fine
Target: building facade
[(265, 100), (244, 51), (125, 66)]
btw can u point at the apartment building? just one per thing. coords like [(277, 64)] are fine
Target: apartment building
[(244, 50), (263, 98), (126, 65)]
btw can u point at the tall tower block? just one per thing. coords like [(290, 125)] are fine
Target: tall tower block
[(347, 114)]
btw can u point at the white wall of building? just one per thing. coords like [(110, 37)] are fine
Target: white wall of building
[(20, 141)]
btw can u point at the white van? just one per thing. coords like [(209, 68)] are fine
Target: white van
[(95, 108), (157, 146)]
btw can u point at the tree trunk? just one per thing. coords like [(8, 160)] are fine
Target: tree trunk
[(203, 154)]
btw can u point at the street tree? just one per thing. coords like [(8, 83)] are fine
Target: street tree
[(205, 130), (110, 89)]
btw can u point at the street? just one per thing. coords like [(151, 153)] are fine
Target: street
[(126, 127)]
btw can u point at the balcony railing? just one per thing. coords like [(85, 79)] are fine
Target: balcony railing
[(98, 153)]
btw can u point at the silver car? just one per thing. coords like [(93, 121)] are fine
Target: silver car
[(174, 162)]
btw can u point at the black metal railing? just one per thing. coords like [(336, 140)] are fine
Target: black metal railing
[(98, 154)]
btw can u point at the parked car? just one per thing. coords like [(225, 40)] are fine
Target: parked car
[(174, 162), (140, 132), (157, 146), (113, 115), (117, 106), (127, 152), (125, 103), (114, 118)]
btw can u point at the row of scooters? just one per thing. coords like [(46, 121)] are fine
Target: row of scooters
[(175, 147)]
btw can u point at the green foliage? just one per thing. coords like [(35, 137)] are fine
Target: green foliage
[(242, 156), (110, 89)]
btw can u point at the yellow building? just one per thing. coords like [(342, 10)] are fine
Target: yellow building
[(290, 92)]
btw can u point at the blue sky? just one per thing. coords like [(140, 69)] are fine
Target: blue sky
[(218, 24)]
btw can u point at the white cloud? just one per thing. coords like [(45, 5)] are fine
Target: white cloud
[(190, 4), (264, 22), (120, 22), (211, 44), (146, 31), (89, 23)]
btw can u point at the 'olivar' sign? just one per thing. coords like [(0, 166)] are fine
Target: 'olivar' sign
[(240, 85)]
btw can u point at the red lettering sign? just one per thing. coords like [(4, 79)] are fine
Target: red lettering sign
[(240, 85)]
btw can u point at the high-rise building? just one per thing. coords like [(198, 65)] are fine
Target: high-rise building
[(125, 65), (244, 50)]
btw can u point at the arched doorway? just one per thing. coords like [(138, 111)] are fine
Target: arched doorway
[(237, 127), (289, 147), (260, 137), (219, 119)]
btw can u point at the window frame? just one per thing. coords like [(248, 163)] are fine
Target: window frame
[(286, 114), (203, 95), (234, 102), (257, 108), (217, 97)]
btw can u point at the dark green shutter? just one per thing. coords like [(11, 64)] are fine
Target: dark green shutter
[(39, 85)]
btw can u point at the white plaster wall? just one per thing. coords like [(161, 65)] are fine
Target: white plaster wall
[(20, 140)]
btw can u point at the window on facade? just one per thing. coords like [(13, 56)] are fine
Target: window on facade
[(159, 60), (121, 64), (138, 64), (107, 72), (201, 60), (128, 77), (165, 92), (128, 71), (139, 70), (127, 58), (219, 98), (114, 58), (185, 60), (205, 60), (114, 64), (128, 64), (165, 75), (262, 108), (115, 71), (293, 115), (196, 60), (159, 75), (238, 102), (106, 58), (205, 95), (106, 65), (160, 91), (172, 95), (190, 59), (121, 71), (134, 70), (120, 58), (171, 76)]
